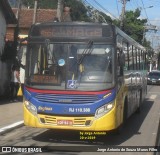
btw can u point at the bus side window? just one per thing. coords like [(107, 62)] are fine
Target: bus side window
[(120, 62)]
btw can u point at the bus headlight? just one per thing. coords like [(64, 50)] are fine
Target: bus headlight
[(30, 107), (104, 109)]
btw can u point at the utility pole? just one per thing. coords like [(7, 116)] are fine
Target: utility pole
[(151, 52), (35, 11), (124, 2), (18, 10), (60, 6), (148, 27)]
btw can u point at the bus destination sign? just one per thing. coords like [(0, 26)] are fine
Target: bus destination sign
[(45, 79), (72, 31)]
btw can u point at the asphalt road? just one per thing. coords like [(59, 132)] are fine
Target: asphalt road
[(140, 130)]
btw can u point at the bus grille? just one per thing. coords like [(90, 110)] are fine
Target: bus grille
[(58, 98), (52, 120)]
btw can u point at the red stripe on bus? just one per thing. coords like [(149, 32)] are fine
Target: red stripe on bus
[(67, 92)]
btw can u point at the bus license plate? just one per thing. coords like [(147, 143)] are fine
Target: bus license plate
[(65, 122)]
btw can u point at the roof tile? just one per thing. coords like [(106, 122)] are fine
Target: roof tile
[(26, 16)]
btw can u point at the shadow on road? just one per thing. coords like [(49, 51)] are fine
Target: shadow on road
[(131, 128), (5, 100)]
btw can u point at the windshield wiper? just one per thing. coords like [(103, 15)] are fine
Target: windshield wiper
[(87, 51)]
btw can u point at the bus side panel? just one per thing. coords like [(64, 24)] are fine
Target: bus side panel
[(120, 99)]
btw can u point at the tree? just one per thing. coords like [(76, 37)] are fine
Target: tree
[(103, 17), (78, 10), (98, 16), (158, 60), (13, 3), (42, 4), (133, 25)]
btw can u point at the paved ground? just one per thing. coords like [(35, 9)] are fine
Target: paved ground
[(11, 114)]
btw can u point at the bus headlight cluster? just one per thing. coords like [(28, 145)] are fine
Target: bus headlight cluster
[(104, 109), (30, 107)]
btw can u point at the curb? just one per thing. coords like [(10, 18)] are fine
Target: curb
[(11, 127)]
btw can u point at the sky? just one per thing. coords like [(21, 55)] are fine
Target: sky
[(115, 7), (150, 9)]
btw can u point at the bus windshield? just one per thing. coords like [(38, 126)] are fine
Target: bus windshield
[(70, 66)]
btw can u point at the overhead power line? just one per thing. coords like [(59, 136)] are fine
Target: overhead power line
[(95, 13), (117, 7), (99, 8), (145, 11), (104, 9)]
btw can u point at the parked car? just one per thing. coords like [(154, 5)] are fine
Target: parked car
[(154, 77)]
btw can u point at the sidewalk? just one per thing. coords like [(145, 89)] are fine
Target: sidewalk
[(11, 115)]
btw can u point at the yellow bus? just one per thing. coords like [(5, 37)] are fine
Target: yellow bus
[(82, 76)]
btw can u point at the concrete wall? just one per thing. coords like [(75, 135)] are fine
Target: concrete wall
[(4, 67), (2, 31)]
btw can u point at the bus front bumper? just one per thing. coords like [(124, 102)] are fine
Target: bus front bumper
[(105, 123)]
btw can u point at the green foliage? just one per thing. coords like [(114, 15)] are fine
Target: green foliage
[(147, 44), (104, 18), (47, 4), (28, 3), (134, 26), (158, 61), (78, 10), (42, 4)]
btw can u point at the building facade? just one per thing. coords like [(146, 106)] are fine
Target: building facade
[(6, 17)]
